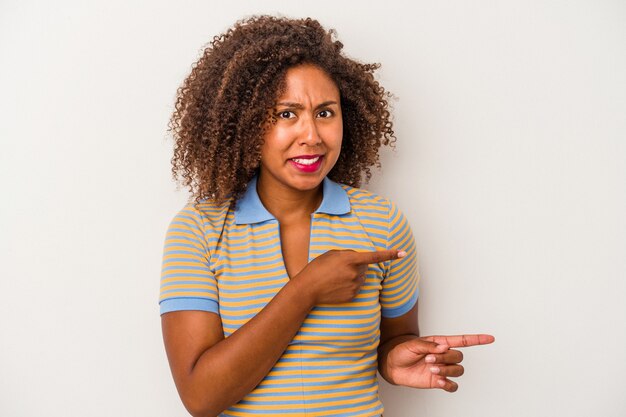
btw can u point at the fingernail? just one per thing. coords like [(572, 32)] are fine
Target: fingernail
[(430, 359), (401, 254), (434, 369), (441, 382)]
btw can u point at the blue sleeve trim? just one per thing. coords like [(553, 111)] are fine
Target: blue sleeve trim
[(181, 304), (398, 311)]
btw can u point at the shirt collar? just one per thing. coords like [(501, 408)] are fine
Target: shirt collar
[(249, 208)]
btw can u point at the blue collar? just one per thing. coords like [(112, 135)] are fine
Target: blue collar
[(249, 208)]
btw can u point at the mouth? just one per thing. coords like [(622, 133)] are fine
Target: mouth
[(307, 163)]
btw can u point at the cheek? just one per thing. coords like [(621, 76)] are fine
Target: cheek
[(336, 138), (332, 134), (338, 132), (274, 145), (335, 151)]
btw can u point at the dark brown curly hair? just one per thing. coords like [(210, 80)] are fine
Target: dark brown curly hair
[(223, 107)]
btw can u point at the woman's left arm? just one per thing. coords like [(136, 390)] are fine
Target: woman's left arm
[(405, 358)]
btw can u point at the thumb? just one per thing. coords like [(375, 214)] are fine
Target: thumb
[(423, 347), (414, 350)]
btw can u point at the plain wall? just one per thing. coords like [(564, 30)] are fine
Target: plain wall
[(510, 165)]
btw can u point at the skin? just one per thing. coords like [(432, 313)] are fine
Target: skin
[(212, 373)]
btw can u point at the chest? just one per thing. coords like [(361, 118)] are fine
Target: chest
[(253, 262), (294, 243)]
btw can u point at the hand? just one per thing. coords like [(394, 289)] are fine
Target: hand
[(337, 276), (427, 362)]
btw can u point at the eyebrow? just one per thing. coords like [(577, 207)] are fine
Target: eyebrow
[(300, 106)]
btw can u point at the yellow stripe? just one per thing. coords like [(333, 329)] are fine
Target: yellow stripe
[(171, 240), (272, 407), (187, 286), (277, 258), (254, 269), (260, 232), (290, 397), (249, 247), (184, 294), (265, 386)]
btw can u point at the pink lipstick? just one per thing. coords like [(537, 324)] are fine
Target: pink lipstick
[(307, 163)]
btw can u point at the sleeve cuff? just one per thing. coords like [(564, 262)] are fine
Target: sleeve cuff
[(400, 310), (181, 304)]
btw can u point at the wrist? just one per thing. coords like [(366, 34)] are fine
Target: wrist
[(385, 368), (302, 290), (388, 345)]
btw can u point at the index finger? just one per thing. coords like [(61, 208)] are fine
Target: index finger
[(464, 340), (373, 257)]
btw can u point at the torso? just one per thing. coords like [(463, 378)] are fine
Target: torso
[(294, 239), (249, 262)]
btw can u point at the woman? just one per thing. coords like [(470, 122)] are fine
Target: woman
[(285, 287)]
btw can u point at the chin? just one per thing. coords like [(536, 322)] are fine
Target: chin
[(307, 184)]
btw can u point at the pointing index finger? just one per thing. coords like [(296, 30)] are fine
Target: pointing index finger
[(373, 257), (464, 340)]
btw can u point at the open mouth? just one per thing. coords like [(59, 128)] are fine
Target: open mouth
[(306, 161), (307, 164)]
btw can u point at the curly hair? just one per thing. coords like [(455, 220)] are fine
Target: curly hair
[(222, 107)]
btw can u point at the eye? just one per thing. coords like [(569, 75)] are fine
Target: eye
[(325, 113), (286, 114)]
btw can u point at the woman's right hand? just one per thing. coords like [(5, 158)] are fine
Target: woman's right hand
[(336, 276)]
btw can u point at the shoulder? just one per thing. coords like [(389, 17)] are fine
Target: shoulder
[(363, 201), (372, 208), (204, 219)]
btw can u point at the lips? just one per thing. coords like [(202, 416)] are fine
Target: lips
[(307, 160), (307, 163)]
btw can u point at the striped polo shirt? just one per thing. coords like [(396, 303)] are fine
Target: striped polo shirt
[(229, 262)]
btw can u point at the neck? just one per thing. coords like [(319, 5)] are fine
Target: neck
[(287, 203)]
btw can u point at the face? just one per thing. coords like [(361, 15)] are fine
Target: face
[(304, 144)]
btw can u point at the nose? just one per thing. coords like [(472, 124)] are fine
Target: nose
[(310, 135)]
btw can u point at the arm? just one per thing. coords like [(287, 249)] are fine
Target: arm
[(402, 354), (212, 373), (394, 331)]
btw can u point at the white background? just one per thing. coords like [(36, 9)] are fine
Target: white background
[(510, 165)]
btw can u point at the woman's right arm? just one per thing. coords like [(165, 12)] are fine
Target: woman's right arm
[(212, 372)]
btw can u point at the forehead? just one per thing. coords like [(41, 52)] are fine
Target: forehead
[(308, 82)]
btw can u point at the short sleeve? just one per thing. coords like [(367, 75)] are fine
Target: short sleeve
[(187, 282), (400, 291)]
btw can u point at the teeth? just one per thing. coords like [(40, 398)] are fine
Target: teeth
[(306, 161)]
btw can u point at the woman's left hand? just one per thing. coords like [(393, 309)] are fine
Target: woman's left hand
[(428, 362)]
